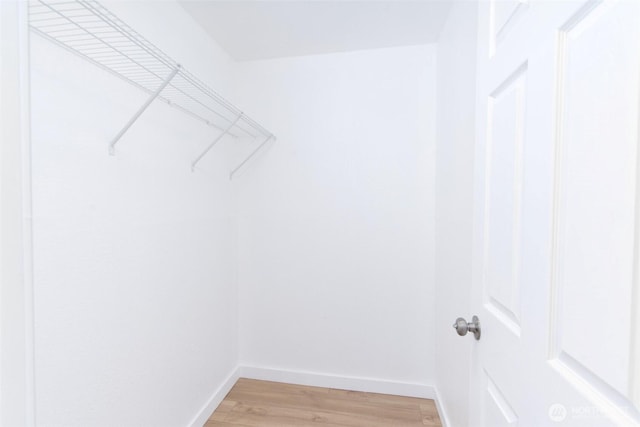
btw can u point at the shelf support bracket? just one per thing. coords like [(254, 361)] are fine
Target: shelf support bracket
[(215, 141), (154, 95), (253, 153)]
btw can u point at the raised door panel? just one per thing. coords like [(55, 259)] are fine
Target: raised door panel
[(504, 15), (504, 151), (498, 411), (596, 258)]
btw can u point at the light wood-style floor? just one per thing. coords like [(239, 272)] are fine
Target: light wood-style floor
[(267, 404)]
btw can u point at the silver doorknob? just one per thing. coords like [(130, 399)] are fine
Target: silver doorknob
[(462, 327)]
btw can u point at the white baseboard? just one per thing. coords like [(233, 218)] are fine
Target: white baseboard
[(444, 418), (218, 396), (371, 385)]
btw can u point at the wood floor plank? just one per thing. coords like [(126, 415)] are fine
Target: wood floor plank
[(315, 398), (252, 403), (223, 409), (306, 402), (382, 399), (222, 424), (264, 415)]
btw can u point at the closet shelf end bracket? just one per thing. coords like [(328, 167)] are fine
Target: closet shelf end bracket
[(215, 141), (253, 153)]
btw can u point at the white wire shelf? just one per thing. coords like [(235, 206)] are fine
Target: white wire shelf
[(88, 29)]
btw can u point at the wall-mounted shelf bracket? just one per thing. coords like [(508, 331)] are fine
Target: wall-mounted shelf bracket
[(253, 153), (154, 95), (215, 141)]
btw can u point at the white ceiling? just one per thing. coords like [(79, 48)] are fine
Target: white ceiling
[(261, 29)]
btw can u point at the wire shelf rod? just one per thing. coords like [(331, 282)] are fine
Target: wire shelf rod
[(201, 103), (89, 30), (197, 117)]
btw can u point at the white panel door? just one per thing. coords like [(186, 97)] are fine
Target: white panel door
[(556, 214)]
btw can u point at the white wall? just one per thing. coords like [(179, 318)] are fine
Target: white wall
[(137, 258), (336, 227), (135, 296), (454, 205)]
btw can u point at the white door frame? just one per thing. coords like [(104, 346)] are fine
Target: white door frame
[(17, 390)]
